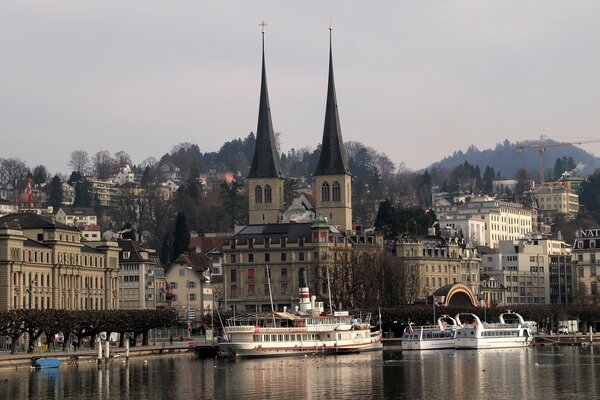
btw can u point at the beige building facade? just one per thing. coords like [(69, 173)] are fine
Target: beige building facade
[(44, 265), (432, 263)]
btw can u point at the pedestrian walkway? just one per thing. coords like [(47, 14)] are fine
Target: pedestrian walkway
[(178, 346)]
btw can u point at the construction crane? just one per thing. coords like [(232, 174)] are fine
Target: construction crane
[(541, 146)]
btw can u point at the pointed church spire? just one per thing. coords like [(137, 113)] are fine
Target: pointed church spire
[(332, 160), (265, 163)]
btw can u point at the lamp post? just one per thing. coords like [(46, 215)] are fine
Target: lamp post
[(187, 284), (480, 298), (31, 282)]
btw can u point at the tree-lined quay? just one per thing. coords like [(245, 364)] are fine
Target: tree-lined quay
[(76, 326)]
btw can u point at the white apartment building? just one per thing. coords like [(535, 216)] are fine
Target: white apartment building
[(525, 268), (486, 221), (138, 286), (103, 192), (125, 175), (553, 199), (190, 286), (76, 216)]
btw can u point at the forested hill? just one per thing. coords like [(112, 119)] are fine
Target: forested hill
[(506, 159)]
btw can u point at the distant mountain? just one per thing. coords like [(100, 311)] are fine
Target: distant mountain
[(507, 159)]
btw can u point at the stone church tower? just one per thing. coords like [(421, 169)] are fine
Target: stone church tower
[(265, 181), (333, 181)]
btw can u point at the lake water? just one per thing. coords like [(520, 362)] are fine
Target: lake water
[(534, 373)]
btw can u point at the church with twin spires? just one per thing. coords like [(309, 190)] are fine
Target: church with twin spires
[(332, 178), (261, 262)]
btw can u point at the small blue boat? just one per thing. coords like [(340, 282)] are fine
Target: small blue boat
[(43, 363)]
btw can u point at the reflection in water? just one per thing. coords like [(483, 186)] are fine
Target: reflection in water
[(524, 373), (548, 373)]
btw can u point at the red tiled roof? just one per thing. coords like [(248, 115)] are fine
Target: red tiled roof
[(207, 243)]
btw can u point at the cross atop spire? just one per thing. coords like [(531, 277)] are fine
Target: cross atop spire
[(263, 25)]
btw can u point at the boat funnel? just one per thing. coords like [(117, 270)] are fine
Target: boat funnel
[(305, 304)]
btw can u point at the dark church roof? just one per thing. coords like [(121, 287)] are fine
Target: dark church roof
[(332, 160), (274, 232), (265, 163), (33, 221)]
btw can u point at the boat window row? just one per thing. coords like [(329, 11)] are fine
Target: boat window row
[(287, 338), (429, 335), (500, 333)]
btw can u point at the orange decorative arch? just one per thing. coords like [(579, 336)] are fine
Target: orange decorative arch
[(456, 294)]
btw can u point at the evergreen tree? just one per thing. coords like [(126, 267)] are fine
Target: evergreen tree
[(489, 176), (522, 183), (98, 207), (387, 220), (166, 248), (590, 194), (40, 175), (233, 205), (181, 235), (83, 196), (55, 194), (562, 165), (74, 178), (128, 232)]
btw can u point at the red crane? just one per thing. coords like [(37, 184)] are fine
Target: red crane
[(541, 146)]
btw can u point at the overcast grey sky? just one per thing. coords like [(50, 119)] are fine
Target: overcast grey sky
[(415, 79)]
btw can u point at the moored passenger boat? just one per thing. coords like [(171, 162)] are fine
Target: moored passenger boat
[(478, 335), (309, 329), (430, 337)]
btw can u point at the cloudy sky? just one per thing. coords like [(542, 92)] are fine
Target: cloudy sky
[(416, 80)]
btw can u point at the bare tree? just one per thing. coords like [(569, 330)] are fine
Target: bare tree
[(80, 161), (103, 164), (11, 170), (122, 158), (149, 162)]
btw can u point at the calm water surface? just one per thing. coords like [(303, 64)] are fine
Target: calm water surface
[(537, 373)]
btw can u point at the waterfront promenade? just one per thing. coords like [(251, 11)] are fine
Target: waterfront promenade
[(195, 344)]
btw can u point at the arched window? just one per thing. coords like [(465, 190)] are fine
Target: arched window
[(258, 194), (325, 192), (268, 197), (335, 189)]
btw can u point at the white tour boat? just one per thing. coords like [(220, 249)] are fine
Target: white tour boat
[(307, 330), (481, 335), (430, 337)]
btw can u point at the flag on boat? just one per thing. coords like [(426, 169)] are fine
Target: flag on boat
[(409, 329)]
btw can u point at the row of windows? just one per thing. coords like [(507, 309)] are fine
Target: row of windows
[(63, 258), (192, 297), (258, 194), (251, 273), (526, 300), (41, 280), (439, 268), (330, 195), (286, 338), (283, 289), (282, 257), (267, 243)]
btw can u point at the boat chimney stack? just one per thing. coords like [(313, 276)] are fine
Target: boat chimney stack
[(303, 292)]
